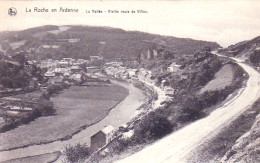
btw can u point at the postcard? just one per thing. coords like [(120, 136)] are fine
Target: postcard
[(129, 81)]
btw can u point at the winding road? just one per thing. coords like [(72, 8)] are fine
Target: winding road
[(121, 114), (175, 148)]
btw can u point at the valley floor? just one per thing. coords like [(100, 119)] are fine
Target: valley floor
[(116, 117)]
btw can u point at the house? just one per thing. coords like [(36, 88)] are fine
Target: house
[(114, 64), (56, 80), (132, 72), (60, 71), (72, 40), (49, 46), (123, 128), (67, 74), (102, 138), (173, 67), (95, 57), (76, 77), (169, 91), (49, 74), (31, 62), (63, 63), (96, 82), (19, 108), (69, 60), (80, 61), (92, 69), (75, 69)]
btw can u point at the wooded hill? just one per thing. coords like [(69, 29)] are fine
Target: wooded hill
[(109, 42)]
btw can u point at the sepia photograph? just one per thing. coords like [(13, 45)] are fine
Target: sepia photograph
[(147, 81)]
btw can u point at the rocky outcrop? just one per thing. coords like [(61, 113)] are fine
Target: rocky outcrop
[(247, 147)]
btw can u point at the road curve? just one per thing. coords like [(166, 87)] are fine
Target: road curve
[(176, 147), (121, 114)]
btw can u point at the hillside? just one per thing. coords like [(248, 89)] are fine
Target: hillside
[(84, 41), (246, 50), (246, 147), (187, 105)]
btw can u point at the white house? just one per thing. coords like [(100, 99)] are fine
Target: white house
[(173, 67), (132, 72), (76, 77), (169, 91), (95, 57), (49, 74), (102, 138)]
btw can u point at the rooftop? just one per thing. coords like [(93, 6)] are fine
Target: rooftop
[(107, 129)]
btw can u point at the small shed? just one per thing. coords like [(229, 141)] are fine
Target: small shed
[(102, 138)]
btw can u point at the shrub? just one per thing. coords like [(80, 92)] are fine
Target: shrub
[(77, 153), (154, 127)]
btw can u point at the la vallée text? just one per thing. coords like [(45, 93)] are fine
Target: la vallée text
[(116, 11)]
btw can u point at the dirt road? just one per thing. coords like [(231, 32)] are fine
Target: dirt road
[(176, 147), (121, 114)]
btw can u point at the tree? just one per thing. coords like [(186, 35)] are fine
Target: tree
[(20, 57), (155, 126)]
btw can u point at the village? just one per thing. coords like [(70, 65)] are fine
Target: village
[(97, 71)]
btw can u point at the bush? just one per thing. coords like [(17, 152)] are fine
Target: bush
[(153, 127), (45, 107), (255, 57), (77, 153), (52, 89)]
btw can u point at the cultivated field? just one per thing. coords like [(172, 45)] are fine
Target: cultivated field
[(75, 108), (222, 79), (31, 96)]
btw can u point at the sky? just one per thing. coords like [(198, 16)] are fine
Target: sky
[(224, 22)]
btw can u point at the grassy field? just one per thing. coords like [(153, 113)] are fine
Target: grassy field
[(75, 107), (16, 45), (222, 79)]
